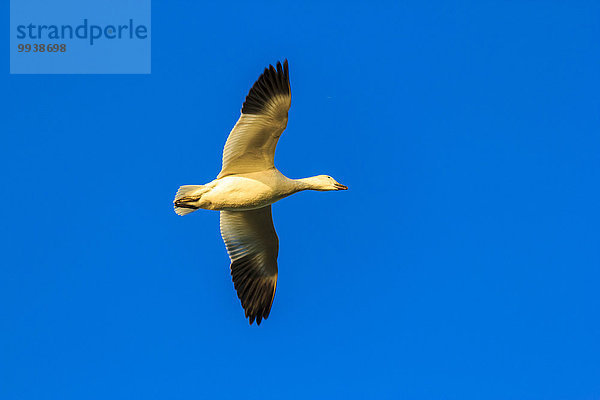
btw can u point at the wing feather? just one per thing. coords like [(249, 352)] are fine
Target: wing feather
[(252, 245), (251, 144)]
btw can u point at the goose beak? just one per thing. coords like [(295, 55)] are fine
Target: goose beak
[(339, 186)]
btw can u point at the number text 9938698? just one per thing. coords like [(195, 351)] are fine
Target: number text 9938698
[(41, 48)]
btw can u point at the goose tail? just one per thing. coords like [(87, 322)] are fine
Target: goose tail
[(186, 199)]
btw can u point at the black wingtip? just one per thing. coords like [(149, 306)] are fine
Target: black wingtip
[(255, 291), (272, 82)]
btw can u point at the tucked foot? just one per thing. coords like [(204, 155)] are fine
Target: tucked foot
[(185, 202)]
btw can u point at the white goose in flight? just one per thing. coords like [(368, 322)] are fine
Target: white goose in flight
[(247, 186)]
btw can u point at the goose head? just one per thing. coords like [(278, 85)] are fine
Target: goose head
[(325, 183)]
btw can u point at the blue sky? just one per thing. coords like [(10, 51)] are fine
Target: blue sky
[(463, 263)]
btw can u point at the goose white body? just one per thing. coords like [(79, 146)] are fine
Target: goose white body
[(245, 191)]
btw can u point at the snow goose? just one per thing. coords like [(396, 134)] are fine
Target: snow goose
[(247, 186)]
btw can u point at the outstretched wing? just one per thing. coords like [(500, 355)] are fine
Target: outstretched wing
[(253, 246), (250, 146)]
